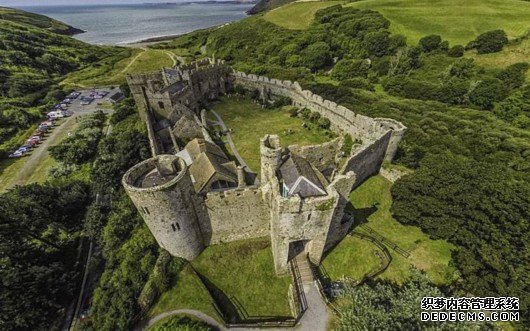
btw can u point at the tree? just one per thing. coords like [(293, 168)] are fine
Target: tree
[(430, 43), (376, 43), (346, 68), (514, 75), (445, 197), (316, 55), (487, 92), (456, 51), (489, 42), (462, 68), (382, 305)]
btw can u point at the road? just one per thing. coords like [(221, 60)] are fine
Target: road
[(40, 153)]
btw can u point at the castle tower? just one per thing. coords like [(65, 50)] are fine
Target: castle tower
[(162, 191), (398, 131), (271, 155)]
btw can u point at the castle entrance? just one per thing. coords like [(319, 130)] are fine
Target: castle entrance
[(297, 248)]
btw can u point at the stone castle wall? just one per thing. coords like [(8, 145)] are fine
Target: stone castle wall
[(379, 137), (237, 214)]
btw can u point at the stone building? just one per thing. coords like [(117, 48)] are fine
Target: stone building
[(192, 195)]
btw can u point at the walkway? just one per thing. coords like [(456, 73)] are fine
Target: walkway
[(200, 315), (134, 60), (233, 146)]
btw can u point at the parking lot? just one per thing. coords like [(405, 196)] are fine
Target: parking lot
[(36, 158)]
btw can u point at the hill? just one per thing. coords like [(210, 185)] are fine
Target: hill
[(457, 21), (265, 5), (36, 20), (34, 56)]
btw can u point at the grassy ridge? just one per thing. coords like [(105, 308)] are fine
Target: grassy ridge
[(298, 15), (458, 21), (36, 20)]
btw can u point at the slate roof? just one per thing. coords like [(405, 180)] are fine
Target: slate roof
[(209, 164), (300, 177)]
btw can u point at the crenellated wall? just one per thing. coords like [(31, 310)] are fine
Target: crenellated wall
[(379, 136)]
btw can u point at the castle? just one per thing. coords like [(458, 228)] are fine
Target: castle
[(191, 195)]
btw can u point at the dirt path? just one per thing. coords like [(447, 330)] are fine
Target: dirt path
[(173, 57), (134, 60), (200, 315)]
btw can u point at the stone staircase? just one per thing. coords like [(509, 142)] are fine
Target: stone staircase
[(306, 273)]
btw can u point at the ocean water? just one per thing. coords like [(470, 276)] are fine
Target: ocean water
[(119, 24)]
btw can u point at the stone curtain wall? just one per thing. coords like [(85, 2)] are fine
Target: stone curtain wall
[(237, 214), (376, 135)]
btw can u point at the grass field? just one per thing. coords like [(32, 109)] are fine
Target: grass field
[(372, 201), (244, 271), (187, 292), (297, 15), (112, 71), (509, 55), (458, 21), (250, 123), (353, 258)]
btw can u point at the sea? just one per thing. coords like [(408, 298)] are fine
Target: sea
[(123, 24)]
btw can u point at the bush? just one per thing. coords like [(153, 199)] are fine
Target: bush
[(293, 111), (345, 69), (487, 92), (489, 42), (456, 51), (430, 43), (359, 83), (316, 55), (324, 123), (305, 113), (314, 117), (462, 68), (514, 75)]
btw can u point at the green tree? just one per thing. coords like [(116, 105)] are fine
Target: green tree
[(316, 55), (430, 43), (349, 68), (487, 92), (489, 42)]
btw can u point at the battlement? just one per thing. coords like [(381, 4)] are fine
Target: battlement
[(157, 173)]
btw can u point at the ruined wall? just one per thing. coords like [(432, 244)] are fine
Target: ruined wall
[(237, 214), (380, 137), (321, 156), (366, 159)]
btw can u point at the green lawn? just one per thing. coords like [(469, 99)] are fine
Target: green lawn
[(297, 15), (250, 123), (372, 201), (186, 292), (181, 323), (458, 21), (353, 258), (244, 270)]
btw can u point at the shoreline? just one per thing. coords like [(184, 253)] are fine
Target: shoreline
[(158, 39)]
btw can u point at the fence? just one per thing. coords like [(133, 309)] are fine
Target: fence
[(385, 241)]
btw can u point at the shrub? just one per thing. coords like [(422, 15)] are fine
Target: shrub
[(514, 75), (456, 51), (345, 69), (359, 83), (305, 113), (489, 42), (487, 92), (314, 117), (293, 111), (430, 43), (316, 55), (376, 43), (324, 123), (462, 68)]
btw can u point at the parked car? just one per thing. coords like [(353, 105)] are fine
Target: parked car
[(55, 114), (34, 139), (16, 154), (74, 95), (23, 149), (48, 123)]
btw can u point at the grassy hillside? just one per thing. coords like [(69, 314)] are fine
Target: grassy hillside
[(458, 21), (33, 59), (297, 15), (36, 20)]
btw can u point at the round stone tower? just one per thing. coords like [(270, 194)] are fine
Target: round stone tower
[(162, 191)]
